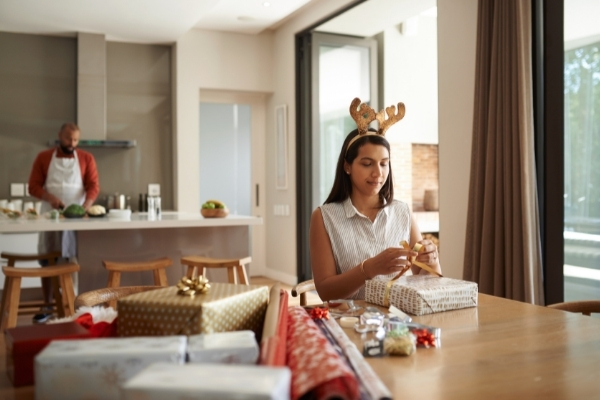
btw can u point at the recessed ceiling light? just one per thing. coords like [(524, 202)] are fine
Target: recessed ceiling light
[(266, 4), (245, 19)]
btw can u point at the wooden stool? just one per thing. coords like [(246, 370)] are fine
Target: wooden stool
[(50, 258), (12, 289), (156, 266), (233, 265)]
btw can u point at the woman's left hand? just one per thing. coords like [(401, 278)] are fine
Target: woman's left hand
[(429, 254)]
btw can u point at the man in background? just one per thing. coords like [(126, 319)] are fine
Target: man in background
[(61, 176)]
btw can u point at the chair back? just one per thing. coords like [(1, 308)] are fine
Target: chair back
[(586, 307), (105, 296)]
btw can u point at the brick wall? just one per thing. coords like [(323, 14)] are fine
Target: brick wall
[(401, 160), (424, 172), (415, 169)]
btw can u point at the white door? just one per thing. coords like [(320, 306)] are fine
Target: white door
[(232, 154)]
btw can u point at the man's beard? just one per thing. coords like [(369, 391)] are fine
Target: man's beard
[(67, 150)]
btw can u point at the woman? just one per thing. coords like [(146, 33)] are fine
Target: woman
[(356, 234)]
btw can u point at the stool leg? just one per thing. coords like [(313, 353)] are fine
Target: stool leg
[(231, 275), (114, 279), (190, 271), (160, 277), (66, 283), (241, 273), (58, 298), (204, 272), (4, 309), (10, 312)]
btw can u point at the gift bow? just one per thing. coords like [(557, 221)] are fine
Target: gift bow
[(193, 286), (418, 248)]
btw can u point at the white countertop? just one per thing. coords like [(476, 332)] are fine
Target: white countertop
[(169, 219)]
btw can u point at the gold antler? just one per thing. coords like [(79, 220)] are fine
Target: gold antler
[(362, 115), (393, 117)]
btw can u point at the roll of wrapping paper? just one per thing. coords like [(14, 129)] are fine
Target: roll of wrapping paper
[(316, 366), (418, 248)]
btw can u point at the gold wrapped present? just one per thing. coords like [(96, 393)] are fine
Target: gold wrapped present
[(224, 308), (422, 294)]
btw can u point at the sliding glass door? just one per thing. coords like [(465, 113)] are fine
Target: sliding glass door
[(581, 150)]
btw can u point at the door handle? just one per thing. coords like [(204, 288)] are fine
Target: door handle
[(257, 199)]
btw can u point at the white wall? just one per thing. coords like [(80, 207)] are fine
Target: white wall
[(457, 37), (281, 231), (410, 76), (211, 60)]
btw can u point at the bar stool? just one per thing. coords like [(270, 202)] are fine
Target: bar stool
[(12, 290), (50, 258), (156, 266), (235, 267)]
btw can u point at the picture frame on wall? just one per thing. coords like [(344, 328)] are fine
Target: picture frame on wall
[(282, 146)]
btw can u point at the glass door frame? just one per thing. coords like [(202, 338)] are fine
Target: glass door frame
[(548, 86), (319, 39)]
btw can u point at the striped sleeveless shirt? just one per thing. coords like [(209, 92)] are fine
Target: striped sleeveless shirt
[(355, 238)]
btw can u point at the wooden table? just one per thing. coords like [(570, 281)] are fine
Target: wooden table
[(497, 350), (501, 349)]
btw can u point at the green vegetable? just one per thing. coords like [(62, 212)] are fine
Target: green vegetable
[(208, 205), (75, 209)]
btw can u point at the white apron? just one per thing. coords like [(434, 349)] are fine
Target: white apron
[(63, 181)]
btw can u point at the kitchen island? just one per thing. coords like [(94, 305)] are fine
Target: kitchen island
[(173, 235)]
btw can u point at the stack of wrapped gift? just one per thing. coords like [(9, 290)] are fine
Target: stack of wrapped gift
[(134, 367), (422, 294), (225, 307), (95, 369)]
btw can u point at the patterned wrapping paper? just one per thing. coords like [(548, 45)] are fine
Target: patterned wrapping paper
[(423, 294), (226, 307), (96, 368), (202, 381), (316, 366)]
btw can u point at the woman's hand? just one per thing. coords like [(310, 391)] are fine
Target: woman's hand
[(429, 255), (389, 261)]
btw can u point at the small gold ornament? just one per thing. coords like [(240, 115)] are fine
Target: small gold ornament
[(193, 286)]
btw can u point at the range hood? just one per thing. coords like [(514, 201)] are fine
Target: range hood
[(91, 93)]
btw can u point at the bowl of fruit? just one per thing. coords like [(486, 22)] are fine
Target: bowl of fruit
[(214, 209)]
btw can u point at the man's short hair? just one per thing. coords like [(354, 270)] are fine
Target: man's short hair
[(70, 126)]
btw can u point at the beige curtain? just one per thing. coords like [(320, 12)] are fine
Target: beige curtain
[(502, 251)]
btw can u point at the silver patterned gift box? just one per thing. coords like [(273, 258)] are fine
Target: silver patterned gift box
[(95, 368), (223, 348), (422, 294), (209, 381)]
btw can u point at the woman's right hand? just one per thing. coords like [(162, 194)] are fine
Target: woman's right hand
[(389, 261)]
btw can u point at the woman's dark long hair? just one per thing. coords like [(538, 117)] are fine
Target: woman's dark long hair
[(342, 186)]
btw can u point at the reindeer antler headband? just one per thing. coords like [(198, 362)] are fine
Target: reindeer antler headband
[(363, 115)]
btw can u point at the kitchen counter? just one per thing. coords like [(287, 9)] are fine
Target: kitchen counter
[(168, 219), (174, 235)]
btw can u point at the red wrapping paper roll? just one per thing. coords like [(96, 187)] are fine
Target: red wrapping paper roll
[(316, 366)]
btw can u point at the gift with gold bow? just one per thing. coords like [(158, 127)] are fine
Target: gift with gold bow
[(191, 307), (421, 294)]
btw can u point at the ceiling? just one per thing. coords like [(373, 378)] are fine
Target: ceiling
[(382, 14), (142, 21)]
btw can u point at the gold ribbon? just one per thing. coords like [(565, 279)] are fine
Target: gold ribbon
[(388, 287), (193, 286), (419, 248)]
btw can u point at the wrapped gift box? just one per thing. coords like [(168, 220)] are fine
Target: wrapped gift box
[(225, 307), (423, 294), (223, 348), (95, 369), (23, 343), (208, 381)]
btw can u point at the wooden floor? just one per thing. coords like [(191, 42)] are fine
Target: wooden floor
[(7, 392)]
